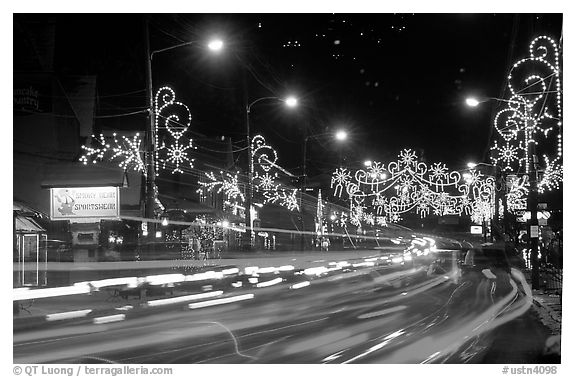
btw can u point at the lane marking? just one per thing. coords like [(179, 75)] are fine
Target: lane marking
[(221, 301), (68, 315)]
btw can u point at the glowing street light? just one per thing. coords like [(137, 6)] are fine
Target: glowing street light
[(472, 102), (341, 135), (216, 45), (291, 101), (471, 165)]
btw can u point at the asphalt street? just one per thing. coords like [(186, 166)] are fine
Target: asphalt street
[(375, 309)]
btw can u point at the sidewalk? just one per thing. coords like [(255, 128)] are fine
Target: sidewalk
[(549, 308)]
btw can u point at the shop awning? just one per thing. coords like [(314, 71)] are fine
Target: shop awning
[(23, 209), (25, 224)]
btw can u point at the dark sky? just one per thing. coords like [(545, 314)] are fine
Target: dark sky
[(394, 81)]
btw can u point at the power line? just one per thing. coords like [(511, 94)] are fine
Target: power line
[(121, 115)]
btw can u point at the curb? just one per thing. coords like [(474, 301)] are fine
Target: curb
[(551, 313)]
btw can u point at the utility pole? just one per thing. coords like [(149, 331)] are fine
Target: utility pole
[(250, 191), (150, 138), (532, 205), (303, 189)]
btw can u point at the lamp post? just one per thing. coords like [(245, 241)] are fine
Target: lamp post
[(532, 200), (290, 102), (214, 45), (340, 135)]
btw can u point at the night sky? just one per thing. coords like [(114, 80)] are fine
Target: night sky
[(394, 81)]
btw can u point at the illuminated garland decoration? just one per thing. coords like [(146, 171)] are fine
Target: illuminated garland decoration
[(319, 221), (552, 177), (265, 173), (534, 110), (128, 150), (228, 184), (173, 118), (518, 193), (283, 197), (382, 193)]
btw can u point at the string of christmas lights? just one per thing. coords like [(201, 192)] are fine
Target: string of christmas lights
[(380, 195), (128, 150), (265, 175), (170, 145), (228, 184), (534, 111)]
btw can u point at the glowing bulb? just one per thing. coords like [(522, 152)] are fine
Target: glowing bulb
[(216, 45), (472, 102), (291, 101), (341, 135), (472, 165)]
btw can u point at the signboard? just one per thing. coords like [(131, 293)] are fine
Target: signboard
[(533, 231), (84, 203), (31, 95), (476, 229), (541, 215)]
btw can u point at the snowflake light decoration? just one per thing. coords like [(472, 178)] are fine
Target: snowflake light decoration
[(552, 177), (176, 155), (267, 182), (128, 150), (284, 198), (340, 179), (438, 171), (507, 155), (95, 154), (408, 157), (227, 183)]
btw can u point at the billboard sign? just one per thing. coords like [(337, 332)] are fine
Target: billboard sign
[(84, 203)]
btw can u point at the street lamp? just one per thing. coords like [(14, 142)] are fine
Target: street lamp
[(472, 102), (214, 45), (289, 101), (341, 135)]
